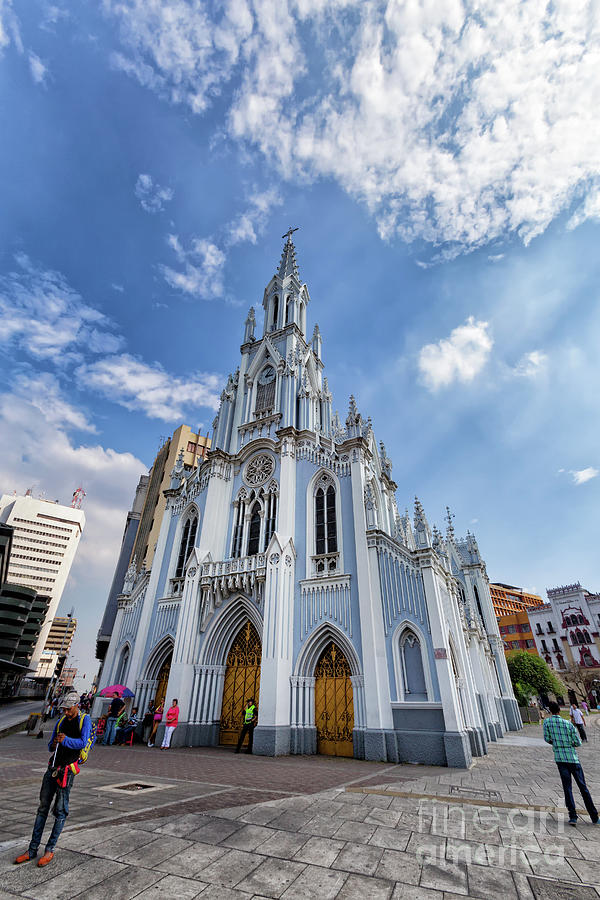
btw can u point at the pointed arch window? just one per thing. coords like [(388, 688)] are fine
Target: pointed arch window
[(254, 530), (238, 529), (121, 673), (271, 515), (275, 313), (265, 389), (413, 673), (289, 310), (325, 521), (188, 539)]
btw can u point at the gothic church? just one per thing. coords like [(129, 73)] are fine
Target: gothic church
[(284, 571)]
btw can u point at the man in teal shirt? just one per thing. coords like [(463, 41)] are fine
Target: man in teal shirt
[(564, 738)]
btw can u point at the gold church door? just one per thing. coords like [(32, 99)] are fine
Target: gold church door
[(334, 706), (162, 682), (242, 682)]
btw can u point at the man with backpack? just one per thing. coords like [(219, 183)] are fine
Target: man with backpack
[(71, 741)]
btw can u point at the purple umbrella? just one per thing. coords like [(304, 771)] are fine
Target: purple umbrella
[(119, 689)]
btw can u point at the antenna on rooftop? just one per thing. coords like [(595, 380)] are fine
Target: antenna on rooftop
[(77, 498)]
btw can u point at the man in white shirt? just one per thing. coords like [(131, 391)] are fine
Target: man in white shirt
[(578, 721)]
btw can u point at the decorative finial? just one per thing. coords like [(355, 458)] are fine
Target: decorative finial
[(449, 526)]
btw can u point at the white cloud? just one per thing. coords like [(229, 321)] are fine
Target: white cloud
[(204, 263), (9, 27), (175, 47), (250, 224), (589, 209), (138, 386), (583, 475), (495, 257), (203, 266), (454, 122), (43, 392), (37, 68), (152, 196), (531, 364), (44, 455), (42, 315), (118, 287), (458, 358)]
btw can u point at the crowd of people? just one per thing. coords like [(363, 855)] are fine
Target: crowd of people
[(120, 727)]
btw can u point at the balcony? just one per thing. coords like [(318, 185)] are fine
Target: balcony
[(325, 564), (176, 586)]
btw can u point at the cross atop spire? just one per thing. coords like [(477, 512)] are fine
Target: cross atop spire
[(288, 264)]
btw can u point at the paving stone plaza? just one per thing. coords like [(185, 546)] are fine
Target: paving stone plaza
[(214, 825)]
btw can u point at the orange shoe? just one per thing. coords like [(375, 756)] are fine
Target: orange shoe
[(46, 858), (24, 857)]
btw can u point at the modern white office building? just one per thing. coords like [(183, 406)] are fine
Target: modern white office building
[(46, 538)]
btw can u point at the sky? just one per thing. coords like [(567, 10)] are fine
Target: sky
[(441, 160)]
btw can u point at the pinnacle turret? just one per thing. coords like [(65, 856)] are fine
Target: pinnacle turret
[(422, 529), (288, 264), (449, 524)]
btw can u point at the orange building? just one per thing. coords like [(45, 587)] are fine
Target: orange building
[(516, 633), (509, 599)]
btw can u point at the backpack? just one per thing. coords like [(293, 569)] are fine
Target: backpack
[(85, 752)]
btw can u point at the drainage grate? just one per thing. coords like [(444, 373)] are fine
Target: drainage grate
[(475, 792), (136, 786)]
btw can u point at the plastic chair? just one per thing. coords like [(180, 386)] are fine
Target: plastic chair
[(129, 741)]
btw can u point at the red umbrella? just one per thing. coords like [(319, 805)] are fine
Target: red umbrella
[(119, 689)]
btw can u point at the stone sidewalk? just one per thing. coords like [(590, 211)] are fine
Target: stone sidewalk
[(495, 831)]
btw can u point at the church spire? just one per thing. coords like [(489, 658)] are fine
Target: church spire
[(288, 264)]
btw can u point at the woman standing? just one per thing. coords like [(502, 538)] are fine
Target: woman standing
[(148, 722), (158, 714), (172, 720)]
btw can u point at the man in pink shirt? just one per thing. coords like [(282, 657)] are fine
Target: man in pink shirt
[(172, 720)]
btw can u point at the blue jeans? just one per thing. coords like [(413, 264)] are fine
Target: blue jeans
[(566, 770), (109, 730), (50, 791)]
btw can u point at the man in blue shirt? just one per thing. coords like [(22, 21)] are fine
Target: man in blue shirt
[(67, 742), (564, 738)]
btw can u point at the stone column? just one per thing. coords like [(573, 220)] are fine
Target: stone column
[(378, 707), (456, 741), (272, 734), (185, 649)]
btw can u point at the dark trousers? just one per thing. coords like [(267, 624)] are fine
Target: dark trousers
[(581, 731), (248, 729), (122, 734), (566, 770), (51, 791)]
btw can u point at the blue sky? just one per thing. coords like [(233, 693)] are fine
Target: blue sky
[(443, 165)]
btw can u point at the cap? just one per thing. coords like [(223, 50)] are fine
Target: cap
[(69, 700)]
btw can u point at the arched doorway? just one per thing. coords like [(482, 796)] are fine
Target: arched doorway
[(162, 679), (242, 681), (334, 706)]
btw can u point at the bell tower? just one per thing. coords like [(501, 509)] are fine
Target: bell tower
[(286, 298)]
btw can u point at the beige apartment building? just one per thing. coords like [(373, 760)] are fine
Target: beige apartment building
[(194, 447)]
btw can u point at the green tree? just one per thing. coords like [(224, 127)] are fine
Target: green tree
[(530, 675)]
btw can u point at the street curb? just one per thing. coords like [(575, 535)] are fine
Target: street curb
[(12, 729)]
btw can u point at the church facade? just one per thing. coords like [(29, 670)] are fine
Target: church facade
[(285, 572)]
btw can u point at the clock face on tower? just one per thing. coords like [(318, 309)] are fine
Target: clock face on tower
[(267, 375)]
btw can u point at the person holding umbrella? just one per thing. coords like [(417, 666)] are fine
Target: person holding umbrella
[(116, 709)]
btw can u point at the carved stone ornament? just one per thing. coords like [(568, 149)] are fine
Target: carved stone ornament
[(192, 571), (288, 561), (259, 469), (274, 559)]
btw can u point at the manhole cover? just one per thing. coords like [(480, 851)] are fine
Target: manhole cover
[(136, 786)]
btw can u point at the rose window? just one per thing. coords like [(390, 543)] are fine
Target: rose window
[(259, 469)]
